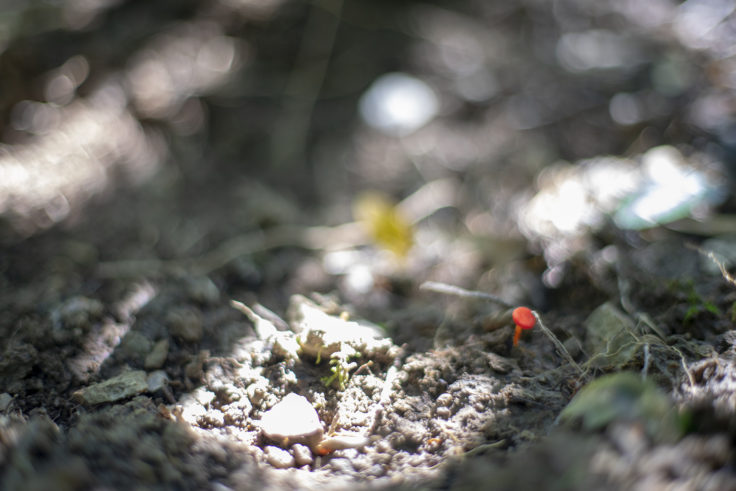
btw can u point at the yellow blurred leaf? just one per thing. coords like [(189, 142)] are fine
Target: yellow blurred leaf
[(385, 224)]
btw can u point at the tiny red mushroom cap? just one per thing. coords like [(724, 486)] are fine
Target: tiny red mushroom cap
[(524, 318)]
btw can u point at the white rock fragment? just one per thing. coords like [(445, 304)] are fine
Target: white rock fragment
[(444, 399), (123, 386), (342, 442), (192, 411), (293, 420), (157, 380), (284, 343), (321, 335), (281, 459), (285, 346), (302, 455), (265, 329), (203, 396), (157, 356)]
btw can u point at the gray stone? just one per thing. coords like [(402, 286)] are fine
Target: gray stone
[(185, 323), (203, 290), (157, 357), (123, 386), (134, 346), (157, 380)]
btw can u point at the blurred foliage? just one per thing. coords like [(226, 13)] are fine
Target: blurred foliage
[(625, 397), (385, 224), (222, 98)]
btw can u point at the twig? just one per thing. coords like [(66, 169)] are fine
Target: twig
[(264, 327), (486, 446), (311, 238), (690, 377), (434, 286), (712, 256), (364, 367), (270, 316), (231, 249), (645, 368)]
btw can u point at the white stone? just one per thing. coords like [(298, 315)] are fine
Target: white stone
[(302, 455), (281, 459), (321, 335), (293, 420)]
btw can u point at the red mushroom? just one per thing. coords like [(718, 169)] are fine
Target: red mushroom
[(524, 319)]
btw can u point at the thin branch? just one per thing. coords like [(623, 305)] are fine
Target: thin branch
[(434, 286), (712, 256), (645, 368)]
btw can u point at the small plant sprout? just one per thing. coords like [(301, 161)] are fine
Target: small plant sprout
[(524, 319)]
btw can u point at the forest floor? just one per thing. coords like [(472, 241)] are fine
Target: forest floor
[(179, 253)]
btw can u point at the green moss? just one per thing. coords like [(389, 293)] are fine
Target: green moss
[(340, 372)]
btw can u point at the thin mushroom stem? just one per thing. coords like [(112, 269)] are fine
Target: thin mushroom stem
[(517, 334), (560, 347)]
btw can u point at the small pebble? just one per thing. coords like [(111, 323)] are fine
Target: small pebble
[(375, 471), (192, 411), (444, 399), (443, 412), (499, 364), (279, 458), (416, 460), (202, 290), (203, 396), (193, 369), (124, 385), (293, 420), (157, 380), (134, 346), (302, 455), (185, 323), (157, 357), (341, 466), (383, 447)]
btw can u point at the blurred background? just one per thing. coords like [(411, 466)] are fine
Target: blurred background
[(496, 141)]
